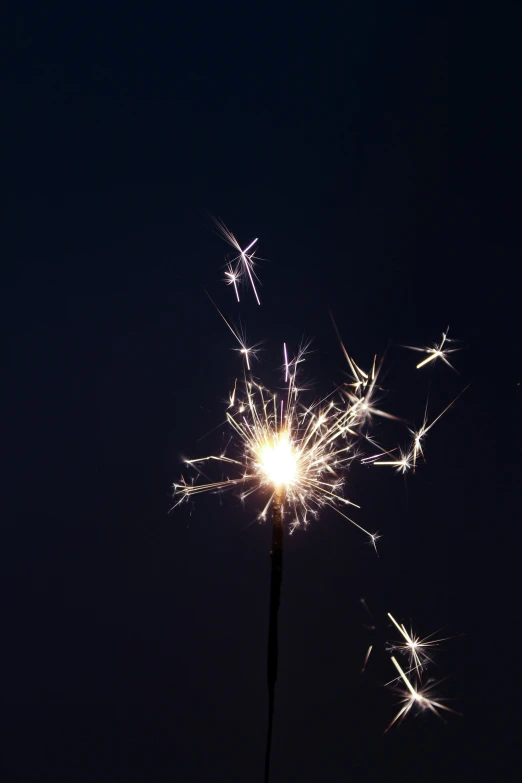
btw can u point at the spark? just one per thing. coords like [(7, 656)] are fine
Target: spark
[(232, 395), (232, 277), (366, 658), (416, 448), (243, 265), (415, 697), (364, 396), (408, 459), (436, 352), (370, 615), (403, 464), (286, 362), (417, 649), (246, 351)]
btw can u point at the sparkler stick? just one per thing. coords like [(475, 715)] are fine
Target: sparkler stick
[(276, 578)]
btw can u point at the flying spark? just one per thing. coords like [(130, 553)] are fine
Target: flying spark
[(242, 266), (416, 697), (403, 464), (436, 352), (232, 277), (246, 351), (408, 458), (418, 650), (366, 658), (418, 436)]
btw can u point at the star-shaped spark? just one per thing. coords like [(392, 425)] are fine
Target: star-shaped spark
[(246, 351), (403, 465), (418, 650), (419, 435), (416, 697), (438, 351), (233, 277)]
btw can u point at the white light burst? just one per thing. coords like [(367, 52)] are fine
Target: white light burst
[(280, 443)]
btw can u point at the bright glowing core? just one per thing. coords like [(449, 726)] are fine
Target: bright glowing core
[(278, 460)]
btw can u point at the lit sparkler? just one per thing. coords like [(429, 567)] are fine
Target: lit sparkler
[(242, 266), (296, 456)]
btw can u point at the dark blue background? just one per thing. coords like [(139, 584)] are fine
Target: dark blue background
[(372, 149)]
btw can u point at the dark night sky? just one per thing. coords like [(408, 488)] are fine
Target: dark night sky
[(373, 151)]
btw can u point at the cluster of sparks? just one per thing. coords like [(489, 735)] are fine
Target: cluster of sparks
[(287, 446), (414, 694), (300, 449), (298, 453), (410, 456), (241, 267)]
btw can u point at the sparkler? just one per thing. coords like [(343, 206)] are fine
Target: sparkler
[(294, 454)]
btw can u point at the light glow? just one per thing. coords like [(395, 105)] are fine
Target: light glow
[(279, 460), (280, 442)]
